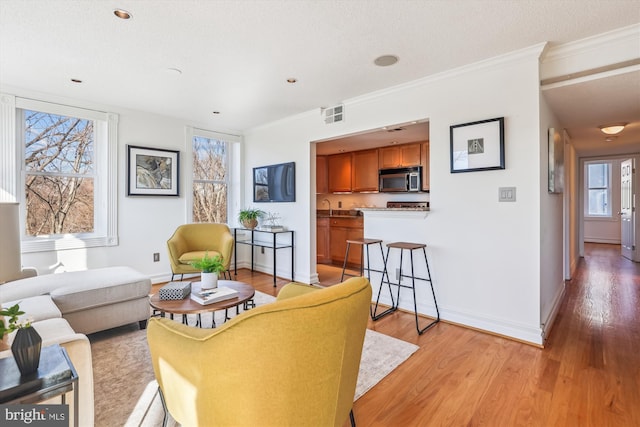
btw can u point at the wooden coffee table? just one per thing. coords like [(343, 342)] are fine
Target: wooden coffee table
[(189, 306)]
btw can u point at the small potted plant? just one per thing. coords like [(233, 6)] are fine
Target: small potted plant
[(211, 267), (26, 344), (249, 217)]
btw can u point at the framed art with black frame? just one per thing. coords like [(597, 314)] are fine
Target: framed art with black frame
[(477, 146), (152, 171)]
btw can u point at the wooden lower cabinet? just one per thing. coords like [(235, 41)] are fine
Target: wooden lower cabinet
[(322, 236), (341, 230)]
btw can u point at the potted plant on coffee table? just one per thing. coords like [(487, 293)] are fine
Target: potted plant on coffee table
[(249, 217), (210, 268)]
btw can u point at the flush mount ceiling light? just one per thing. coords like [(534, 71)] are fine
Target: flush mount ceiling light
[(76, 81), (216, 112), (612, 129), (292, 80), (385, 60), (122, 14)]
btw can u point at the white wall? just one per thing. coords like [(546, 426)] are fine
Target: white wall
[(551, 227), (484, 255)]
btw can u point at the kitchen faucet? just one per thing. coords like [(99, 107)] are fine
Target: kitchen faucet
[(330, 210)]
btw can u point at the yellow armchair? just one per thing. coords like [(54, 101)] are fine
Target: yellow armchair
[(293, 362), (192, 241)]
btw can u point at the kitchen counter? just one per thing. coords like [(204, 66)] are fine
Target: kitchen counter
[(354, 213), (395, 209)]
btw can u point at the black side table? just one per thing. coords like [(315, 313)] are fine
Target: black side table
[(274, 244), (55, 377)]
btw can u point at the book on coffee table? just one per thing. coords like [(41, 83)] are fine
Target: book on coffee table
[(209, 296)]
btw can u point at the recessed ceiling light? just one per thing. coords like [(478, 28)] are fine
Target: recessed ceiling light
[(613, 129), (122, 14), (292, 80), (174, 71), (385, 60), (216, 112), (76, 81)]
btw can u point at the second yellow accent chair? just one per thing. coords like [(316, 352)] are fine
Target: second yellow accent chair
[(191, 241), (293, 362)]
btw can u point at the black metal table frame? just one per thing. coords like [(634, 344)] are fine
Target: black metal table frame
[(274, 245), (59, 389)]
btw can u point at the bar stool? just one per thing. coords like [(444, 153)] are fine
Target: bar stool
[(394, 304), (363, 243)]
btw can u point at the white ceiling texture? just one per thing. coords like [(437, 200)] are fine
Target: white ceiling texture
[(235, 56)]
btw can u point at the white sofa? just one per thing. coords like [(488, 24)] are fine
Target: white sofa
[(63, 307)]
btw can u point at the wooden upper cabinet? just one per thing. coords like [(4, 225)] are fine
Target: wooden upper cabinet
[(365, 170), (322, 183), (399, 156), (425, 166), (339, 169)]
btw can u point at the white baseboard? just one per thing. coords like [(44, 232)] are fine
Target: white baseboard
[(549, 320)]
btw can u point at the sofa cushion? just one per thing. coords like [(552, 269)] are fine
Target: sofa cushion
[(36, 308), (45, 284), (92, 294)]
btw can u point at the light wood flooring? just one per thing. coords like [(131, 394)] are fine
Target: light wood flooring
[(588, 374)]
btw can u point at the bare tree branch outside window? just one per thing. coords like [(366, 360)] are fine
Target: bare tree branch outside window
[(209, 180), (59, 179)]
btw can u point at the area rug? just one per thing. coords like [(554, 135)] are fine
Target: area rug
[(123, 363)]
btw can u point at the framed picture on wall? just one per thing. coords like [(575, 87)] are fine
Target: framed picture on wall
[(152, 172), (477, 146), (556, 161)]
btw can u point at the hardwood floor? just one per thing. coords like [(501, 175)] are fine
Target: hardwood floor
[(588, 374)]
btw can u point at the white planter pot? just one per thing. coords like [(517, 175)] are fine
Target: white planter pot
[(208, 280)]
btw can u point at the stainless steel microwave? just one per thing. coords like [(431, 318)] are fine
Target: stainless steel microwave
[(400, 180)]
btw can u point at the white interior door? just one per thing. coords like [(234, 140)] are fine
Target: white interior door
[(626, 209)]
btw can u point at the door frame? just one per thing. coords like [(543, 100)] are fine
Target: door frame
[(581, 190)]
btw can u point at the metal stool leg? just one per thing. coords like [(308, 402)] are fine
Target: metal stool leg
[(344, 264), (415, 307), (394, 305)]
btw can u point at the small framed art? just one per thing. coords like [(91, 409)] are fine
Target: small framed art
[(477, 146)]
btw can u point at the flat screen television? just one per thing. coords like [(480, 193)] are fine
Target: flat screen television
[(275, 183)]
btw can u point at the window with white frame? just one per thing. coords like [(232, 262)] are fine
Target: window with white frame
[(65, 161), (210, 179), (598, 189)]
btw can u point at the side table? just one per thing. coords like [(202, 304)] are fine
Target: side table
[(274, 244), (55, 377)]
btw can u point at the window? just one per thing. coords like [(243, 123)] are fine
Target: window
[(59, 174), (210, 179), (61, 167), (598, 177)]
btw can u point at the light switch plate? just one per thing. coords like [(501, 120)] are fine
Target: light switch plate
[(507, 194)]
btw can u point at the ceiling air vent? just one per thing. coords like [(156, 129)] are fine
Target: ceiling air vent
[(333, 114)]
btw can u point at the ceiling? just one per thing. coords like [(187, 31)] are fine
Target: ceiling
[(234, 56)]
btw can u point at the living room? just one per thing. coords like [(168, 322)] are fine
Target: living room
[(500, 271)]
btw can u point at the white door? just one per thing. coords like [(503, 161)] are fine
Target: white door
[(626, 209)]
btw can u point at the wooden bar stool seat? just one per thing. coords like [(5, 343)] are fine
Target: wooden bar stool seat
[(363, 243), (405, 246)]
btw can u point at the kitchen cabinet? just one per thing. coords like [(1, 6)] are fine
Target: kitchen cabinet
[(322, 236), (339, 170), (424, 150), (365, 170), (322, 182), (342, 229), (399, 156)]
